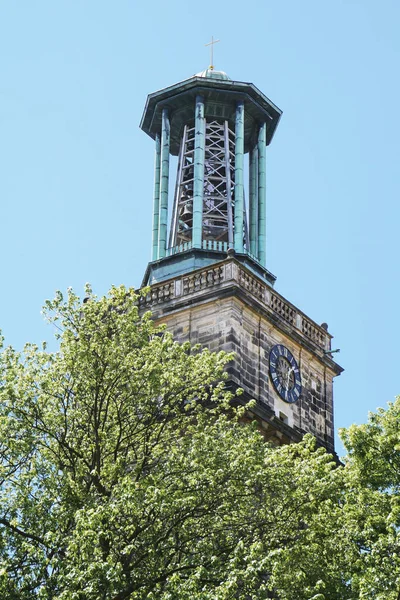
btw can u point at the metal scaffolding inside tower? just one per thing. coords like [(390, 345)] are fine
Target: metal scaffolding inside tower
[(219, 186)]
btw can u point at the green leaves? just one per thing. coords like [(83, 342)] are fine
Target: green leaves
[(373, 494), (126, 473)]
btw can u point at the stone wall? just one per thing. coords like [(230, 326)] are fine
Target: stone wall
[(225, 307)]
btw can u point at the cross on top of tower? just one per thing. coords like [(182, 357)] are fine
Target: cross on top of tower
[(211, 44)]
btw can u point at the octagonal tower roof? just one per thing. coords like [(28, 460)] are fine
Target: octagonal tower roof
[(221, 95)]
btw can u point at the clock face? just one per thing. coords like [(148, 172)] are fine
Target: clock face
[(285, 373)]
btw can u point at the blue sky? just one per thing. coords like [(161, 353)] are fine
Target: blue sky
[(76, 172)]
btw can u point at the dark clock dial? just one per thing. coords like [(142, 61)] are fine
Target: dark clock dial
[(285, 373)]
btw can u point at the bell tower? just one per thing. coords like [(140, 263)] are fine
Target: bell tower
[(208, 274)]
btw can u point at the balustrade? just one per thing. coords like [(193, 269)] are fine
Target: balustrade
[(216, 275)]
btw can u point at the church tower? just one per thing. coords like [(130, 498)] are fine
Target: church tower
[(208, 274)]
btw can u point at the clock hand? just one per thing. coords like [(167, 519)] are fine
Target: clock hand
[(287, 379), (288, 376)]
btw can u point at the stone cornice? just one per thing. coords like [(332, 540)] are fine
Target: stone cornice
[(230, 278)]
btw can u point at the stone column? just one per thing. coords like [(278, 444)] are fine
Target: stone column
[(198, 183), (239, 187), (163, 218), (156, 197), (262, 202), (253, 199)]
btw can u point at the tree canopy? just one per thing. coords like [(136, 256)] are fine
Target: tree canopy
[(127, 473)]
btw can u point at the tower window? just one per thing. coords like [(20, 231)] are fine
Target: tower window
[(284, 418)]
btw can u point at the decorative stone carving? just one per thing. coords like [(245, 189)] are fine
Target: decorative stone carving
[(283, 309), (227, 272)]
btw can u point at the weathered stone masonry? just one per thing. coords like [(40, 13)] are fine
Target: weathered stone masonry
[(227, 307)]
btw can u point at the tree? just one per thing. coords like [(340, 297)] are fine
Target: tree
[(373, 502), (126, 473)]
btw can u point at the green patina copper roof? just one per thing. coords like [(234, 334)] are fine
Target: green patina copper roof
[(221, 95), (212, 74)]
